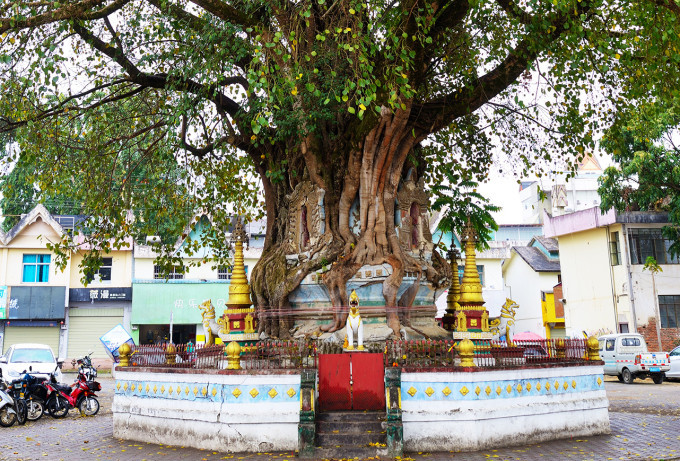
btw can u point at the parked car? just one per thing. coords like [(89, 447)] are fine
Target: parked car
[(37, 358), (674, 357), (625, 355)]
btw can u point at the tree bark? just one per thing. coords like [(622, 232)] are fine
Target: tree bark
[(371, 175)]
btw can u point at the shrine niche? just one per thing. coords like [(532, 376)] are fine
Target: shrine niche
[(413, 225), (306, 220)]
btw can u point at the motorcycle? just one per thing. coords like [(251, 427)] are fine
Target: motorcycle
[(13, 406), (61, 398), (8, 414), (35, 395)]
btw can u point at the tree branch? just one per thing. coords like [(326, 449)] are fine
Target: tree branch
[(198, 24), (226, 12), (160, 81), (514, 11), (436, 114), (80, 10)]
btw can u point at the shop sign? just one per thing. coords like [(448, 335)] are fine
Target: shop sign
[(36, 303), (3, 302), (156, 303), (100, 294)]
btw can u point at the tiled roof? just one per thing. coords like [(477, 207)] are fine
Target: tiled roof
[(537, 260), (549, 244)]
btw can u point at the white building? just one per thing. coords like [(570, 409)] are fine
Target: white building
[(531, 273), (490, 263), (605, 285), (558, 196)]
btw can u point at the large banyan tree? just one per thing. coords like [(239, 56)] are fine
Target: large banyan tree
[(322, 111)]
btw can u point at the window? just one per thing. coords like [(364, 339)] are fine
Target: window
[(631, 342), (610, 344), (623, 328), (669, 308), (36, 268), (650, 242), (103, 274), (176, 274), (480, 270), (32, 356), (614, 249), (224, 273)]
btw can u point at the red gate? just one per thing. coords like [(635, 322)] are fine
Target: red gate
[(351, 381)]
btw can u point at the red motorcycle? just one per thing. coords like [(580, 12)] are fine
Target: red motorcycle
[(81, 395)]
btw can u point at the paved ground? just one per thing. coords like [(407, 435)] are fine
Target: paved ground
[(645, 420)]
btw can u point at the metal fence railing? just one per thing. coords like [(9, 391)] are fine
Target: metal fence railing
[(273, 355), (487, 354), (409, 355)]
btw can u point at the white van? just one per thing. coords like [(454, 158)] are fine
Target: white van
[(625, 356)]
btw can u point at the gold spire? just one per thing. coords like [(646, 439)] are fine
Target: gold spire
[(239, 291), (454, 290), (449, 319), (471, 287)]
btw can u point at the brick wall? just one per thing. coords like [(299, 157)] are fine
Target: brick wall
[(559, 307), (669, 336)]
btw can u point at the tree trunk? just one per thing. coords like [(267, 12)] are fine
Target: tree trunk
[(371, 210)]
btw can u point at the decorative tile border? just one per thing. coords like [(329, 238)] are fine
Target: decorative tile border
[(208, 392), (501, 389)]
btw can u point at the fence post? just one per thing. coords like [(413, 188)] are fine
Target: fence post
[(233, 351), (307, 425), (395, 428), (561, 348), (466, 350), (124, 354), (170, 354), (593, 346)]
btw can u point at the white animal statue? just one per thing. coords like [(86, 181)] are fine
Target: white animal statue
[(505, 324), (354, 324)]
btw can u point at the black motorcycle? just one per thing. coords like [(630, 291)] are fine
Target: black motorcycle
[(35, 396), (17, 390)]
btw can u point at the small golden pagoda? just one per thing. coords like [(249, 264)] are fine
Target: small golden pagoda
[(238, 322), (472, 318), (449, 319)]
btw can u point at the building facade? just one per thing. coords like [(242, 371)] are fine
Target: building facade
[(606, 286), (35, 291), (558, 196), (490, 262), (161, 300), (531, 274)]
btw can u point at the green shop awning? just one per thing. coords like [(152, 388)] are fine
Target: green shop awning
[(152, 303)]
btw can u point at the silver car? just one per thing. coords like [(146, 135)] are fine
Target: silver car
[(674, 372)]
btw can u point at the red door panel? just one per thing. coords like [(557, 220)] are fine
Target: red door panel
[(334, 389), (368, 387)]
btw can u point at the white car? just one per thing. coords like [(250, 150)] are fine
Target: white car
[(38, 359), (674, 372)]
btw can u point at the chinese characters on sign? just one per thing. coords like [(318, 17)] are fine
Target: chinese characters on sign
[(100, 294)]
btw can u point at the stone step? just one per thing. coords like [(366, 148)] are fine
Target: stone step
[(351, 440), (350, 416), (348, 452), (349, 427)]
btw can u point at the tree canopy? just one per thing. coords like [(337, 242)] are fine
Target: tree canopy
[(343, 95), (647, 171)]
